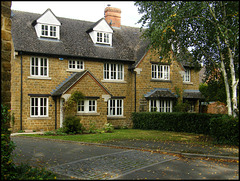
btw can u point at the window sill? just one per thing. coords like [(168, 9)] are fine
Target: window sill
[(116, 117), (74, 70), (188, 83), (88, 114), (39, 118), (114, 81), (38, 77), (159, 80)]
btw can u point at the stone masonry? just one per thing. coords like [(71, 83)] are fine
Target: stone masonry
[(6, 47)]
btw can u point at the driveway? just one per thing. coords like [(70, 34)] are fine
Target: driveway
[(81, 161)]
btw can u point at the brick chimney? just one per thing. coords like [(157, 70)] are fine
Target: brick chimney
[(113, 16)]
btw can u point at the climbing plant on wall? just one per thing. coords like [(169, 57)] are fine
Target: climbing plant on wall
[(70, 105)]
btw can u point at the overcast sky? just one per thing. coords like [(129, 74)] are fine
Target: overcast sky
[(82, 10)]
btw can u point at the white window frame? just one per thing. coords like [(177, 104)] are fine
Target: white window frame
[(113, 71), (37, 107), (187, 76), (103, 38), (160, 72), (49, 31), (39, 68), (75, 65), (162, 105), (115, 107), (87, 106)]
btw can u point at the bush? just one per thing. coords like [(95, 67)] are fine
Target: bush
[(108, 128), (72, 125), (225, 130), (7, 146)]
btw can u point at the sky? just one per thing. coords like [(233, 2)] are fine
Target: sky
[(82, 10)]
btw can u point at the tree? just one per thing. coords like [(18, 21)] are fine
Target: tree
[(209, 28)]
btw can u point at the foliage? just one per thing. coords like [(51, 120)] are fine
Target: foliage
[(7, 146), (71, 104), (208, 124), (209, 28), (72, 125), (225, 130), (108, 128), (59, 131), (92, 127), (181, 107), (27, 172)]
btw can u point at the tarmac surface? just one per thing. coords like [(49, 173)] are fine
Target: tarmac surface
[(129, 159)]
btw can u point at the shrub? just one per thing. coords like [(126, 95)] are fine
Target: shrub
[(108, 128), (72, 125), (225, 130), (7, 146)]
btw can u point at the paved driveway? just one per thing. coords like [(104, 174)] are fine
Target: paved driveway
[(72, 159)]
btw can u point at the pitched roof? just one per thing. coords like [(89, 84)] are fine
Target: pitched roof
[(160, 93), (192, 94), (72, 80), (75, 41)]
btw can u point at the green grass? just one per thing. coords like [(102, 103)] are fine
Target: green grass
[(131, 134)]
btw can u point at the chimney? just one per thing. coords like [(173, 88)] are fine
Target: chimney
[(113, 16)]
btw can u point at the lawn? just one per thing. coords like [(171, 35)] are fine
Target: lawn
[(131, 134)]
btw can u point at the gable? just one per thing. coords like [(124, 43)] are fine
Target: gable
[(84, 81), (103, 27), (48, 18)]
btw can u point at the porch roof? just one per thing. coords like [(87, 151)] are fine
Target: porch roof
[(192, 94), (160, 93)]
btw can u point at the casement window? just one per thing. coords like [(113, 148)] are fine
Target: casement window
[(48, 31), (161, 72), (39, 66), (115, 107), (160, 106), (102, 37), (39, 107), (87, 106), (75, 65), (113, 71), (187, 76)]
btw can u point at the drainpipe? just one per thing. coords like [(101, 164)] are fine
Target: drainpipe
[(21, 96), (135, 87), (55, 101)]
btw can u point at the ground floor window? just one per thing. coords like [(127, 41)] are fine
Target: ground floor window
[(87, 106), (39, 107), (160, 106), (115, 107)]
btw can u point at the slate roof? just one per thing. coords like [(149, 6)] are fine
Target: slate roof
[(160, 93), (75, 41), (192, 94), (71, 80)]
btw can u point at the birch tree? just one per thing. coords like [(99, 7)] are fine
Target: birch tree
[(209, 28)]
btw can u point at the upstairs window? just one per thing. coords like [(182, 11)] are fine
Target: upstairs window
[(39, 66), (102, 38), (113, 71), (161, 72), (75, 65), (186, 76), (48, 31)]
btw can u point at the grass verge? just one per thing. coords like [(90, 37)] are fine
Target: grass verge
[(132, 134)]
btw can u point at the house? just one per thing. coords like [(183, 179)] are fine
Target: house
[(105, 60)]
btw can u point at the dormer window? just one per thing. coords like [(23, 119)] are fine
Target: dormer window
[(101, 33), (47, 26), (102, 37), (49, 31)]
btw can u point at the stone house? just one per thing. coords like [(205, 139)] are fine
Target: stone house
[(106, 61)]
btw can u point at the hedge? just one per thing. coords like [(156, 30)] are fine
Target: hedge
[(220, 127)]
